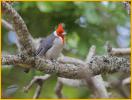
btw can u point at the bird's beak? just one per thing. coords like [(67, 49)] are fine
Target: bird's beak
[(64, 33)]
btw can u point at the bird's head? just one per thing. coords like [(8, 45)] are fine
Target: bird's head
[(60, 32)]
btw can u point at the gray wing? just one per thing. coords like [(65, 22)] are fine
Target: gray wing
[(45, 44)]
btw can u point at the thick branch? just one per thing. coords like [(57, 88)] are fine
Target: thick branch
[(24, 37), (97, 65)]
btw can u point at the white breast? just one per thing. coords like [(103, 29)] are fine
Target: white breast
[(55, 50)]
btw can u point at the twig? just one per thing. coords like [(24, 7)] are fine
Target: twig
[(35, 80), (117, 51), (90, 54), (120, 51), (58, 88), (7, 25), (126, 81), (38, 89)]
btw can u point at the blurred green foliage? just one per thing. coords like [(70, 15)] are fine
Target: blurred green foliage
[(87, 23)]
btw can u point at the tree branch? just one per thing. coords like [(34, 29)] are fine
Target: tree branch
[(90, 54), (7, 25), (36, 79), (99, 88), (126, 81), (38, 90), (58, 88), (117, 51), (120, 51), (97, 65), (24, 37)]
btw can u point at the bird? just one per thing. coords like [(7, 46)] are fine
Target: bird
[(51, 46)]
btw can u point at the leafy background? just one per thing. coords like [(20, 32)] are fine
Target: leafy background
[(87, 23)]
